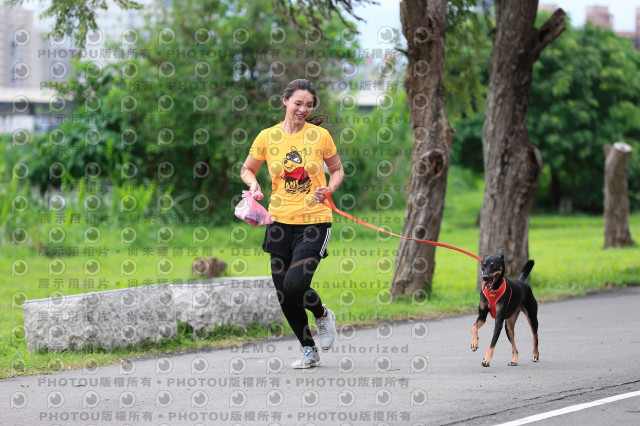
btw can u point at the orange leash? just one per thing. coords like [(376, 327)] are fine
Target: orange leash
[(329, 203)]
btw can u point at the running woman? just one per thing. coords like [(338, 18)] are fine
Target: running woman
[(296, 151)]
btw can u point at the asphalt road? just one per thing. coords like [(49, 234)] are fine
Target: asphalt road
[(399, 373)]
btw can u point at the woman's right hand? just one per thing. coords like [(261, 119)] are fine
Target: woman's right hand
[(248, 176), (255, 189)]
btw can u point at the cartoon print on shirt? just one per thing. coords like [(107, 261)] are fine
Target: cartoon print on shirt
[(296, 178)]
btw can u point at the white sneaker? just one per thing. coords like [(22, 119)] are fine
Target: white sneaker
[(326, 329), (309, 358)]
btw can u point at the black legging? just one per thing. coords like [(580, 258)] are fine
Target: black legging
[(292, 279)]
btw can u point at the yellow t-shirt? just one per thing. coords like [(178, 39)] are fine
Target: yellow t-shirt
[(296, 167)]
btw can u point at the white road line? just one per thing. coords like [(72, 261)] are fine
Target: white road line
[(569, 409)]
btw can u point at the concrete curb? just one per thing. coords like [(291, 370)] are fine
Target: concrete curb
[(123, 317)]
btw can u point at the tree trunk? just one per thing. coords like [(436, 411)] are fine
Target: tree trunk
[(424, 25), (512, 165), (616, 196)]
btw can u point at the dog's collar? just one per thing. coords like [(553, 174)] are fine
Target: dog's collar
[(494, 295)]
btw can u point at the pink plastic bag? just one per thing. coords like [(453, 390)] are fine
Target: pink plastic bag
[(249, 210)]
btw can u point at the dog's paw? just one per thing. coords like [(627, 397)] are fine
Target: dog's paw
[(513, 364), (474, 347), (485, 364), (535, 359)]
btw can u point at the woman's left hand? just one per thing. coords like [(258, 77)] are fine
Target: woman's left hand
[(319, 195)]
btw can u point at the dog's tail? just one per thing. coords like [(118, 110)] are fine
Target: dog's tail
[(526, 269)]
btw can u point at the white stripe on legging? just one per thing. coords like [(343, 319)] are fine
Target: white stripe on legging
[(326, 241)]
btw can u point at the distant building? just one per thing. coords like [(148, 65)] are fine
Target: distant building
[(27, 63), (600, 16), (17, 53)]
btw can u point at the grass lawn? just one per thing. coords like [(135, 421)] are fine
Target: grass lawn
[(353, 280)]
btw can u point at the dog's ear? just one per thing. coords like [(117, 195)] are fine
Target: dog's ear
[(501, 253)]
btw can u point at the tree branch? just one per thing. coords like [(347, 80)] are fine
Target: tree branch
[(549, 31), (75, 18), (319, 11), (404, 52)]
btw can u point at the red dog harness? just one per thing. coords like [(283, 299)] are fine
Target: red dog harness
[(494, 295)]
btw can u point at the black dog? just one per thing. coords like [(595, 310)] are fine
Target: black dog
[(505, 298)]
